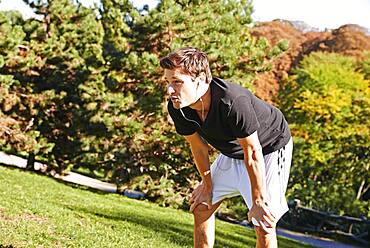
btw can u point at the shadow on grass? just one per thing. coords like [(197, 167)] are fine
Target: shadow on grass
[(176, 231), (174, 227)]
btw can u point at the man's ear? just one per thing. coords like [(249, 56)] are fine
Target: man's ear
[(202, 77)]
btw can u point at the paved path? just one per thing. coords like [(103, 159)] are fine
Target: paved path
[(312, 240), (112, 188), (70, 177), (87, 181)]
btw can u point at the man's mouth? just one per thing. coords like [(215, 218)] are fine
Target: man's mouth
[(174, 99)]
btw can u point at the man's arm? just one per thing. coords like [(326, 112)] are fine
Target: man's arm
[(199, 149), (253, 159)]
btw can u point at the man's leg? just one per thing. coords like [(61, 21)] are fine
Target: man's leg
[(204, 225), (266, 240), (277, 176)]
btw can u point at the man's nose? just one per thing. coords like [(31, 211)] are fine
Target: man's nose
[(170, 90)]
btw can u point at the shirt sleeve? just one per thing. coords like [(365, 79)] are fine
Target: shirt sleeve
[(242, 117), (183, 127)]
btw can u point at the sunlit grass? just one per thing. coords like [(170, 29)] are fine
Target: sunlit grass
[(38, 211)]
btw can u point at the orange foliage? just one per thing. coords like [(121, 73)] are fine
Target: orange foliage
[(350, 40)]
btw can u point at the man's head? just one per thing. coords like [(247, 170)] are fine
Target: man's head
[(188, 74)]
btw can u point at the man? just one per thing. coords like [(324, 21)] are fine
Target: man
[(252, 136)]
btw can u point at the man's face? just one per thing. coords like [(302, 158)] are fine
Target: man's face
[(182, 88)]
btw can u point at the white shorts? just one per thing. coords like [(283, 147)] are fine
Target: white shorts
[(230, 178)]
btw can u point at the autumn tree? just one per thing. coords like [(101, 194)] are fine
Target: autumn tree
[(327, 103)]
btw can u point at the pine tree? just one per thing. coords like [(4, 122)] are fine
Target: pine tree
[(18, 104)]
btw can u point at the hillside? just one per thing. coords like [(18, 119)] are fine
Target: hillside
[(37, 211), (349, 40)]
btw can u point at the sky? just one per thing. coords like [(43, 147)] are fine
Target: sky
[(320, 14)]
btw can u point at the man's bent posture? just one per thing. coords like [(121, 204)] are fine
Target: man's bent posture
[(252, 136)]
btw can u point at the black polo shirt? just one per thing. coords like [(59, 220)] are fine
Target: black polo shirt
[(234, 113)]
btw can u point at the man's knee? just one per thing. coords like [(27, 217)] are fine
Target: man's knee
[(201, 209), (262, 233), (266, 239), (203, 214)]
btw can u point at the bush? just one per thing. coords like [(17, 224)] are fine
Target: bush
[(327, 103)]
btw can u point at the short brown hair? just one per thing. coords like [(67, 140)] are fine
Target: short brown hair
[(189, 60)]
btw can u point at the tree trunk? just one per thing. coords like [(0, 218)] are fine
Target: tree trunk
[(361, 188), (30, 161)]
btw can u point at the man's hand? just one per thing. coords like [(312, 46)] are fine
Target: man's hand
[(201, 195), (263, 215)]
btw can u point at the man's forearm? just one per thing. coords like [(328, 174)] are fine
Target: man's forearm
[(254, 165), (201, 159)]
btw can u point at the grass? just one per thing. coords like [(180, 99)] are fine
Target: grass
[(38, 211)]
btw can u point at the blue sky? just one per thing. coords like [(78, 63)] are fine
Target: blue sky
[(316, 13)]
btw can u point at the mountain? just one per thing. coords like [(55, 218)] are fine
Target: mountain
[(350, 40)]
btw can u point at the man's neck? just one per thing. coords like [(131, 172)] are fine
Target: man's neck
[(206, 98)]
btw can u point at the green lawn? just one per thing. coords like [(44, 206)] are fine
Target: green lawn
[(38, 211)]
